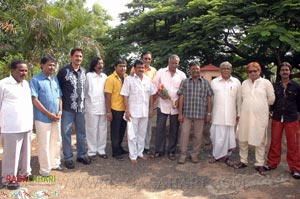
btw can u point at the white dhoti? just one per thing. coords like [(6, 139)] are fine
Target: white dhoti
[(223, 140)]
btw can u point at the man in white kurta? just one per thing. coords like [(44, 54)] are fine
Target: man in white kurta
[(137, 91), (257, 95), (95, 111), (225, 113), (16, 124)]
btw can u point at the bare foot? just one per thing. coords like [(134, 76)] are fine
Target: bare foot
[(133, 161)]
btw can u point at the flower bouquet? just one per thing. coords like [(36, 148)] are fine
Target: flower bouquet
[(164, 92)]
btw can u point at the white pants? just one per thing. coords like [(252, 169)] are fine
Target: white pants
[(259, 153), (49, 145), (96, 133), (16, 155), (136, 132)]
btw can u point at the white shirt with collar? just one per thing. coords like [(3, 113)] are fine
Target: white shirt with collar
[(172, 84), (138, 92), (16, 109), (94, 93), (226, 100)]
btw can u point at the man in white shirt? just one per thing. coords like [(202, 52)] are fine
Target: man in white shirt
[(95, 113), (225, 114), (138, 91), (16, 123), (170, 78)]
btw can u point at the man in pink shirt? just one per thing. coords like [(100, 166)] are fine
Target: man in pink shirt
[(170, 78)]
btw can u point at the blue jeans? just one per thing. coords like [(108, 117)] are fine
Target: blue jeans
[(67, 119)]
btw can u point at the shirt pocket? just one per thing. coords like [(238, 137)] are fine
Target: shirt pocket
[(147, 87)]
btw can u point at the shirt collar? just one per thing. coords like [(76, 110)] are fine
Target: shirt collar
[(12, 80), (220, 78), (117, 76), (94, 74), (200, 78), (167, 69)]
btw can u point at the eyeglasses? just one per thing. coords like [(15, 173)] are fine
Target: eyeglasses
[(252, 71)]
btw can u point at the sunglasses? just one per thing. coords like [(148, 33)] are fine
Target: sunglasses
[(252, 71)]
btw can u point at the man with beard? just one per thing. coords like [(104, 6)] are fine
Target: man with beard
[(285, 111)]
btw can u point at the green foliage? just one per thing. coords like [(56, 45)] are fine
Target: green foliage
[(35, 28), (211, 31), (5, 64)]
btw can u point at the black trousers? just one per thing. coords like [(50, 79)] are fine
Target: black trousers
[(160, 141), (117, 131)]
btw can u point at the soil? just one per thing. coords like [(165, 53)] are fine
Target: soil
[(159, 178)]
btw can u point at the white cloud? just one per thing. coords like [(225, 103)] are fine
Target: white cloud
[(113, 7)]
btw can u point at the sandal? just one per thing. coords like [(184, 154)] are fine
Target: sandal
[(239, 165), (212, 161), (260, 170), (157, 155), (229, 163)]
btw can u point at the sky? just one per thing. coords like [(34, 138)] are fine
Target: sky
[(113, 7)]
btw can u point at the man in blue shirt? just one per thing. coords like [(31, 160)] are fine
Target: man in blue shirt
[(46, 98)]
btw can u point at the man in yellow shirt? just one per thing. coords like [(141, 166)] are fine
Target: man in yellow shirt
[(150, 72), (115, 108)]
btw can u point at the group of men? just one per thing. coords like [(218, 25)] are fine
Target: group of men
[(90, 100)]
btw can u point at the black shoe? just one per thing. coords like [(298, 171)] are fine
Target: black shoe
[(119, 157), (147, 151), (124, 151), (69, 164), (13, 185), (267, 168), (29, 177), (84, 160), (296, 175), (59, 168)]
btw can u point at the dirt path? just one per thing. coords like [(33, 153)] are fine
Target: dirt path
[(160, 178)]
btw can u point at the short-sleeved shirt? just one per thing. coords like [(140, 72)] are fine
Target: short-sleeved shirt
[(113, 86), (16, 112), (48, 92), (72, 86), (138, 92), (149, 72), (195, 97), (171, 83)]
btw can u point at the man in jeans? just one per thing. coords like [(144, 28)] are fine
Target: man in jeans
[(71, 80)]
